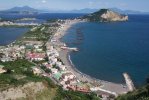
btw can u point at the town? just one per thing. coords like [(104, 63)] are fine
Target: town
[(42, 46)]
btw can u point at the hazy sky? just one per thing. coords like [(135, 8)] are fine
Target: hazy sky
[(141, 5)]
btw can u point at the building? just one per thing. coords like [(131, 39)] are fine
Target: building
[(35, 56), (54, 70), (36, 71), (2, 70), (67, 76)]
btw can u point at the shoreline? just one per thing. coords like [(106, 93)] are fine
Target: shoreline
[(109, 87)]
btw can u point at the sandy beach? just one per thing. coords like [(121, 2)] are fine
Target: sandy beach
[(108, 87)]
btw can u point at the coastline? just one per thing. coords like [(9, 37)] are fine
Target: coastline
[(105, 86)]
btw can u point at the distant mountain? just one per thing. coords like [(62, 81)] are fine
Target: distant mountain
[(105, 15), (86, 10), (89, 10), (128, 11), (30, 10), (21, 10), (24, 8)]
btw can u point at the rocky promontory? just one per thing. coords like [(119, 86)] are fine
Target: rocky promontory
[(105, 15)]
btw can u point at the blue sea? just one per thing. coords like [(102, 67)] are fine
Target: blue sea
[(107, 50), (8, 35), (41, 16)]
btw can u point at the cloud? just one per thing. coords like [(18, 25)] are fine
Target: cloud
[(43, 1)]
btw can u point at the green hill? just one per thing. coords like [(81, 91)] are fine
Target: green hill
[(139, 94), (105, 15), (19, 83)]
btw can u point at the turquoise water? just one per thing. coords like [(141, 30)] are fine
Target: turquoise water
[(109, 49), (8, 35)]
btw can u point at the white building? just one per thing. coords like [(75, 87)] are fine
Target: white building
[(2, 70), (62, 67), (54, 70), (67, 76)]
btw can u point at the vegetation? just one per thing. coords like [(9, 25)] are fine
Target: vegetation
[(38, 34), (139, 94), (20, 72), (71, 95), (96, 16)]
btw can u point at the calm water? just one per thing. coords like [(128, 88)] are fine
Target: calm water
[(8, 35), (41, 16), (109, 49)]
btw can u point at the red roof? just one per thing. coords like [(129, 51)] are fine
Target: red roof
[(35, 55)]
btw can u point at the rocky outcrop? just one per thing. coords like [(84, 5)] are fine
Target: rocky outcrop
[(28, 90), (105, 15)]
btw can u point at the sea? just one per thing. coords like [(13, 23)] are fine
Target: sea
[(10, 34), (106, 50)]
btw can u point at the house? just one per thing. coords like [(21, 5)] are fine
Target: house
[(67, 76), (6, 59), (49, 66), (2, 70), (35, 56), (37, 46), (52, 60), (36, 71), (54, 70), (62, 67), (22, 47), (58, 63), (53, 53), (78, 88), (49, 47)]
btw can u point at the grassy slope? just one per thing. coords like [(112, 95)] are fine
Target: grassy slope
[(20, 73), (139, 94)]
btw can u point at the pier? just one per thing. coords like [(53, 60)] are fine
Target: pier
[(68, 48), (129, 82)]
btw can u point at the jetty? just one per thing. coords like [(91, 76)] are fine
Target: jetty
[(68, 48), (129, 82)]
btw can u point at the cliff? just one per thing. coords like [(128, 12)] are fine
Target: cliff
[(29, 91), (105, 15)]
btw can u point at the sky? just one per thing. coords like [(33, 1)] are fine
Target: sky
[(139, 5)]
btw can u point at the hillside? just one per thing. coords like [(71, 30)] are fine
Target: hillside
[(139, 94), (105, 15), (19, 83)]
